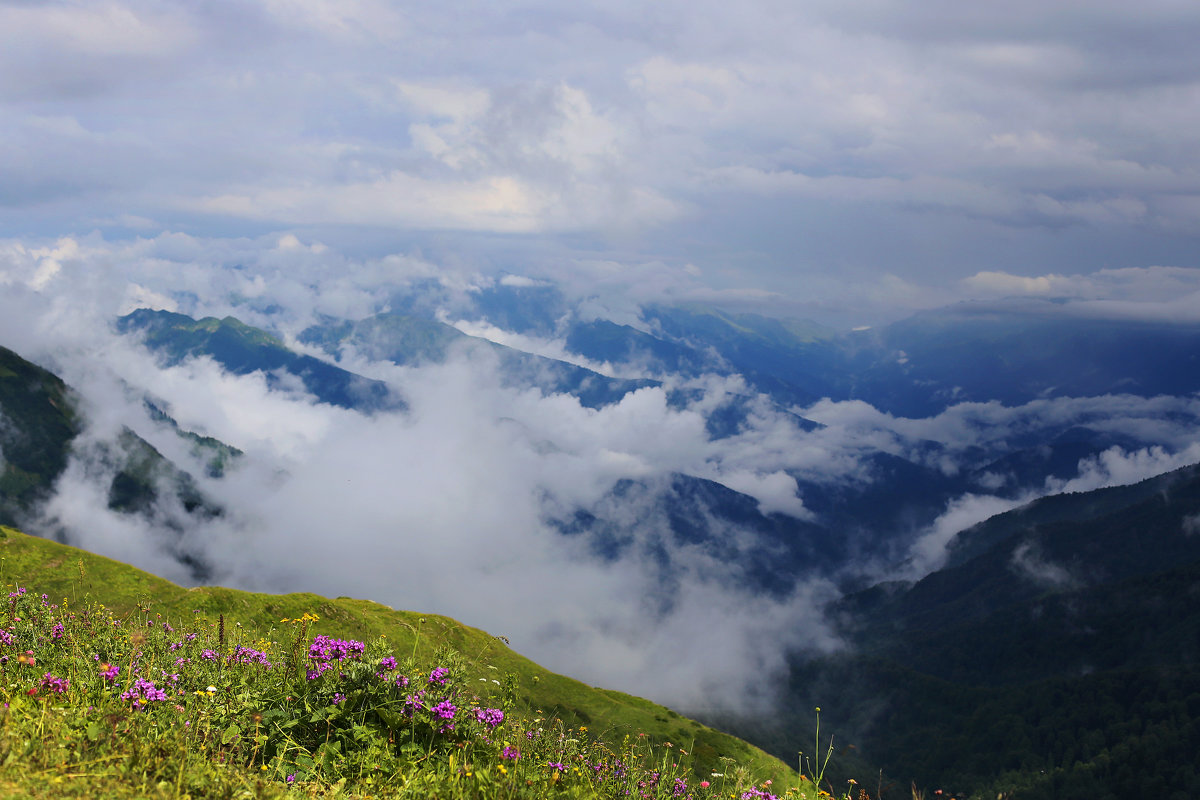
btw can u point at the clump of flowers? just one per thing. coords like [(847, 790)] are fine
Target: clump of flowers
[(55, 684), (143, 692)]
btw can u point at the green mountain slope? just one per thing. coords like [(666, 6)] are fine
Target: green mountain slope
[(39, 426), (243, 349), (38, 420), (1058, 654), (66, 572)]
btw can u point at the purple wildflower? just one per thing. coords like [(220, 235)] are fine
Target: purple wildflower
[(556, 765), (109, 672), (414, 703), (209, 655), (757, 794), (438, 676), (326, 649), (55, 684), (248, 655), (142, 692), (510, 754), (489, 716), (444, 710), (58, 631)]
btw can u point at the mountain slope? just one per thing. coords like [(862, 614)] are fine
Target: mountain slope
[(243, 349), (1041, 658), (38, 420), (411, 340), (40, 425)]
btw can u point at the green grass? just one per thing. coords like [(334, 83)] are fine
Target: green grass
[(352, 731)]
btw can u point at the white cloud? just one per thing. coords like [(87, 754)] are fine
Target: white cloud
[(445, 509)]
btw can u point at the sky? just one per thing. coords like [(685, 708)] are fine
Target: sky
[(843, 161)]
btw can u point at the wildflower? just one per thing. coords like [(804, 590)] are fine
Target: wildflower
[(57, 632), (338, 698), (510, 753), (209, 655), (291, 778), (444, 710), (142, 692), (247, 655), (324, 648), (109, 671), (489, 716), (704, 784), (438, 676), (557, 765)]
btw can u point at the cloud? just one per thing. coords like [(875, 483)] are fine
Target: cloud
[(928, 553), (451, 507), (1029, 563), (757, 143)]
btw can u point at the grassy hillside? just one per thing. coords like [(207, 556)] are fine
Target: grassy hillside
[(78, 580)]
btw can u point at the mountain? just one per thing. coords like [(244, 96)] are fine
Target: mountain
[(789, 360), (39, 434), (1058, 653), (411, 340), (1016, 352), (38, 421), (243, 349), (1013, 352)]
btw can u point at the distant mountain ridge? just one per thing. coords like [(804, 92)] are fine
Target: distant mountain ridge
[(243, 349), (405, 339)]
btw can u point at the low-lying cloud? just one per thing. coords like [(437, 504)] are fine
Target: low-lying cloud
[(452, 506)]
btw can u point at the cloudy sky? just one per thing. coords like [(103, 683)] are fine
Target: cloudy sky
[(841, 155)]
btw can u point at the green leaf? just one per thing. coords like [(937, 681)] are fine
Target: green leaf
[(93, 731), (231, 733), (392, 719)]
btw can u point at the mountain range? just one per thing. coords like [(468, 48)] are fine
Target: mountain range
[(1052, 648)]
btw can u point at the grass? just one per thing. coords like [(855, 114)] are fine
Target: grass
[(119, 684)]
